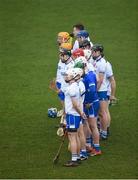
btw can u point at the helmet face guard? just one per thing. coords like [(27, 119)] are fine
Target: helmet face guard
[(64, 55), (73, 74), (98, 47), (65, 52), (84, 44)]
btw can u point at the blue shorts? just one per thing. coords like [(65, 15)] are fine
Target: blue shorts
[(73, 122), (93, 110), (60, 94), (102, 95)]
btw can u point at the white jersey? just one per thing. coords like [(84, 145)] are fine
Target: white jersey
[(76, 44), (109, 73), (100, 67), (91, 60), (90, 66), (72, 91), (62, 68)]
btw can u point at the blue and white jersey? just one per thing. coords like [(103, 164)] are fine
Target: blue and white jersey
[(62, 68), (109, 73), (72, 90), (90, 83), (100, 67)]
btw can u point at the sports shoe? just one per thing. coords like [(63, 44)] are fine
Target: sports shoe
[(71, 164), (83, 158), (95, 153)]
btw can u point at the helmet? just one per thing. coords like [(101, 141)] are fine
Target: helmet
[(84, 43), (78, 71), (78, 53), (74, 73), (80, 62), (80, 59), (70, 72), (65, 49), (87, 54), (67, 46), (83, 33), (52, 112), (64, 35), (98, 47)]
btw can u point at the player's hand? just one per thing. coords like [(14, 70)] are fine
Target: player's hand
[(83, 115), (53, 86), (113, 98)]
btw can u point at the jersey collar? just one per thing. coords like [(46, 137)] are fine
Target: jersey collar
[(68, 61), (98, 58)]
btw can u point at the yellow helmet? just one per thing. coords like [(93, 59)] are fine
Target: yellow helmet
[(67, 46), (64, 35)]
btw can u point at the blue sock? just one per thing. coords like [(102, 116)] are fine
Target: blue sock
[(97, 147), (83, 152), (103, 134)]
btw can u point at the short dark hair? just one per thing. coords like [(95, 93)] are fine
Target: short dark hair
[(79, 26)]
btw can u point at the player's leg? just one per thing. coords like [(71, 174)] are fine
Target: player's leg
[(83, 153), (73, 123), (109, 117), (72, 136), (88, 133), (103, 113), (92, 120)]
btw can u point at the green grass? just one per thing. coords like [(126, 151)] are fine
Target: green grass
[(28, 60)]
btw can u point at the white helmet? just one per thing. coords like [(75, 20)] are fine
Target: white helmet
[(87, 53), (80, 59), (72, 73), (78, 71)]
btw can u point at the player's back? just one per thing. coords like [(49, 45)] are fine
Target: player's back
[(90, 83)]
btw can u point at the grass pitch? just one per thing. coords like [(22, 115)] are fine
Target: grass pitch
[(28, 60)]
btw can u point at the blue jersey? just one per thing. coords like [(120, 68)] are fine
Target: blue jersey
[(90, 83)]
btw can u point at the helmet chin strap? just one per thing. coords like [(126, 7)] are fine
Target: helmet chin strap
[(67, 81), (89, 58), (96, 57), (67, 60)]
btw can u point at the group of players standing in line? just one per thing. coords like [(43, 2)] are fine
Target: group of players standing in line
[(85, 85)]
